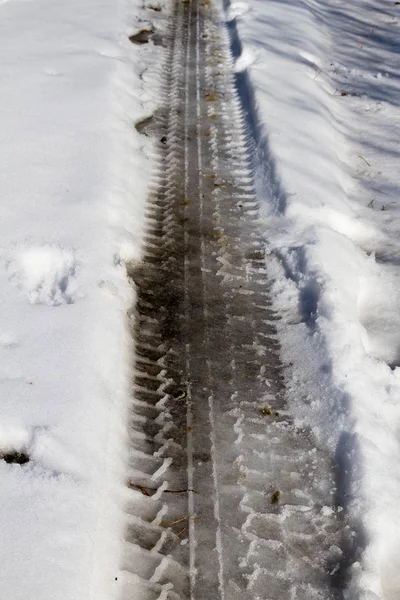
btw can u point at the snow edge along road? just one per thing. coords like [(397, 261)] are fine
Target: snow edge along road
[(325, 116)]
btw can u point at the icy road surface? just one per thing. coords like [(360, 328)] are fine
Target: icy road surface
[(228, 499)]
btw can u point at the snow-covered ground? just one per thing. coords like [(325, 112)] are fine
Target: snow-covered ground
[(73, 177), (321, 82)]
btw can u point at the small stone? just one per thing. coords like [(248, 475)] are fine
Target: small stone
[(275, 497)]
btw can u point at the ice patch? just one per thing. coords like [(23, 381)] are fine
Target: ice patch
[(46, 274)]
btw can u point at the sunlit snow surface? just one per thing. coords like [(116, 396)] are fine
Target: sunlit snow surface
[(324, 107), (73, 176)]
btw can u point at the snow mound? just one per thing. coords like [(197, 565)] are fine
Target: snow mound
[(46, 274), (378, 303)]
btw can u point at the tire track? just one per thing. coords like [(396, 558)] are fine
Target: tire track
[(226, 498)]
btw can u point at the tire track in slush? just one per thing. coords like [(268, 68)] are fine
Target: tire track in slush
[(226, 498)]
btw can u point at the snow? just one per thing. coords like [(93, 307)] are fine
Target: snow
[(320, 81), (324, 83), (73, 180)]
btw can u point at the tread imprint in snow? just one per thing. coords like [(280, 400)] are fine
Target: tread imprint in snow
[(226, 497)]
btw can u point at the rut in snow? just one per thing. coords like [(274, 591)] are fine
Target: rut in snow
[(226, 498)]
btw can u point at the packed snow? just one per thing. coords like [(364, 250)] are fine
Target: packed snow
[(323, 106)]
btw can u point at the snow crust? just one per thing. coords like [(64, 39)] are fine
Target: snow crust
[(320, 81), (73, 179)]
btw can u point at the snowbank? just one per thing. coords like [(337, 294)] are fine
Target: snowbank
[(73, 178), (320, 82)]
